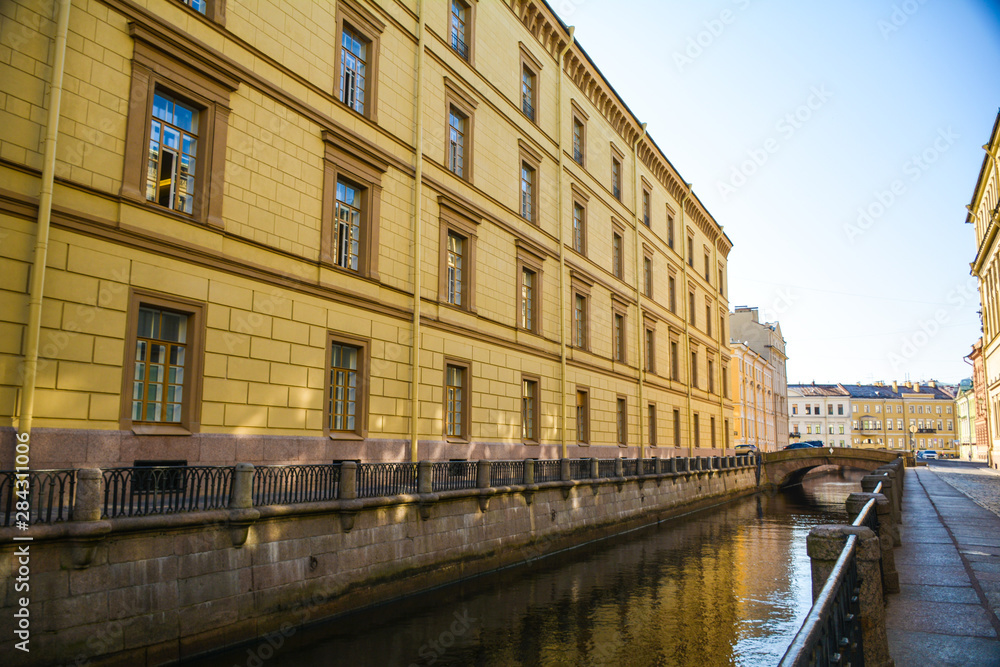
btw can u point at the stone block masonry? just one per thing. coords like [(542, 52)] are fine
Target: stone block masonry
[(149, 590)]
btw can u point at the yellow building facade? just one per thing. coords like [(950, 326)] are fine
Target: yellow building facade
[(752, 390), (984, 214), (355, 230), (907, 416)]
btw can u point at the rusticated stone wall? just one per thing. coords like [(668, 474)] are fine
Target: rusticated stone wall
[(156, 589)]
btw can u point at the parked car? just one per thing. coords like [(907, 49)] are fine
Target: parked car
[(743, 449), (925, 454), (801, 445)]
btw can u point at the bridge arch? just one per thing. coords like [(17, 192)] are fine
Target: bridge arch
[(788, 467)]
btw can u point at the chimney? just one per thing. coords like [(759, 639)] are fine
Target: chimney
[(916, 387), (932, 384), (908, 384), (895, 386)]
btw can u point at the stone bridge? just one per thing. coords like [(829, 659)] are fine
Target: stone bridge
[(788, 467)]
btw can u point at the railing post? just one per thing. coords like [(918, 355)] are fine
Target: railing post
[(348, 480), (619, 468), (241, 497), (529, 471), (483, 474), (657, 465), (425, 477), (564, 472), (89, 495), (868, 484), (595, 468), (855, 503), (824, 546)]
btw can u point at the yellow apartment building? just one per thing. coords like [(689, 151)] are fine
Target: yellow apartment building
[(365, 229), (752, 391), (907, 416), (984, 213)]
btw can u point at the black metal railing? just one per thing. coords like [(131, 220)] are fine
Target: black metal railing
[(141, 491), (447, 476), (649, 466), (579, 468), (506, 473), (547, 470), (578, 155), (528, 110), (831, 633), (50, 495), (606, 468), (386, 479), (630, 467), (287, 484), (460, 46)]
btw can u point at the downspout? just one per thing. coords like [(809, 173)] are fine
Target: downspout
[(563, 450), (640, 276), (722, 344), (37, 288), (687, 321), (418, 192)]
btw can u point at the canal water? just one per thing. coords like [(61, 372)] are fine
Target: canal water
[(724, 586)]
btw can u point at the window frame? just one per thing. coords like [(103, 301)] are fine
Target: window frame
[(215, 11), (690, 249), (363, 345), (617, 176), (672, 291), (579, 201), (191, 404), (529, 261), (580, 288), (530, 64), (651, 424), (649, 339), (368, 26), (647, 204), (465, 104), (670, 228), (456, 219), (677, 427), (530, 158), (470, 31), (621, 420), (345, 158), (465, 416), (619, 339), (580, 117), (159, 65), (675, 358), (648, 280), (617, 254), (534, 436), (582, 438)]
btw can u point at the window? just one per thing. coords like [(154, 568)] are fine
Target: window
[(711, 425), (694, 369), (618, 335), (695, 431), (582, 416), (707, 280), (672, 293), (840, 409), (528, 200), (647, 276), (691, 307), (580, 321), (458, 255), (529, 409), (617, 259), (346, 405), (645, 207), (616, 177), (651, 423), (530, 69), (173, 150), (650, 351), (353, 61), (677, 428), (457, 126), (691, 251), (829, 409), (357, 58), (460, 21), (722, 326), (809, 410), (708, 319), (675, 364), (711, 376), (621, 421), (579, 228), (456, 397), (579, 135), (841, 428), (164, 355), (528, 299), (670, 230), (721, 283), (352, 193), (725, 381)]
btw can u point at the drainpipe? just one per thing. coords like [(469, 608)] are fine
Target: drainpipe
[(563, 450), (37, 288), (418, 192), (687, 320), (640, 327), (723, 344)]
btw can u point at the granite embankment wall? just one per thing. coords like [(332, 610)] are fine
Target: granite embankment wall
[(155, 589)]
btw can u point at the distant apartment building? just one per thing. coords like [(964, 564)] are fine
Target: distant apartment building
[(965, 419), (752, 392), (981, 424), (264, 247), (984, 214), (820, 412), (764, 339)]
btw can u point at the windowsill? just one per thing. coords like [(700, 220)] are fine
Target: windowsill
[(177, 215), (530, 442), (159, 429), (461, 309), (452, 440), (346, 436)]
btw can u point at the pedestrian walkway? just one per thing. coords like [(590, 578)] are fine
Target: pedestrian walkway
[(949, 575)]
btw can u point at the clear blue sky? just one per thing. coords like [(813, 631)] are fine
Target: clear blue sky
[(792, 119)]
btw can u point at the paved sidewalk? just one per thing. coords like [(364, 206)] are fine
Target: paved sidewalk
[(949, 575)]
